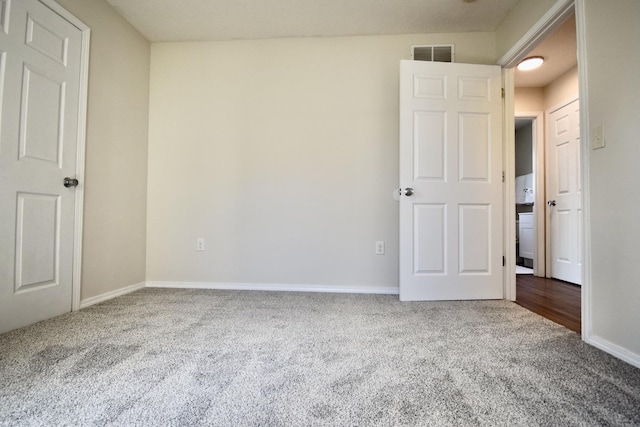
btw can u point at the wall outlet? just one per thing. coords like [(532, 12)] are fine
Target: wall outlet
[(200, 244), (380, 248)]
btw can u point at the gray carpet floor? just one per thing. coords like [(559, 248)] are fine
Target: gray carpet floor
[(230, 358)]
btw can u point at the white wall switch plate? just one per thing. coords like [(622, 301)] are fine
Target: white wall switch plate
[(200, 245), (380, 248), (597, 137)]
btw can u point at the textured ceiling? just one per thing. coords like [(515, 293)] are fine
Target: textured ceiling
[(188, 20)]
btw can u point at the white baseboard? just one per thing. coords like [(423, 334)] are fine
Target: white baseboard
[(109, 295), (615, 350), (391, 290)]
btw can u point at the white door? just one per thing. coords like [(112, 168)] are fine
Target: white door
[(40, 76), (564, 190), (451, 158)]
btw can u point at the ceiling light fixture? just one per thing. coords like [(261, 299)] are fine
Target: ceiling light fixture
[(530, 63)]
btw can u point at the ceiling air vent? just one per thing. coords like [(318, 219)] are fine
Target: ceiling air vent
[(434, 53)]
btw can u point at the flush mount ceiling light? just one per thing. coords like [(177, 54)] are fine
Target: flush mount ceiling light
[(530, 63)]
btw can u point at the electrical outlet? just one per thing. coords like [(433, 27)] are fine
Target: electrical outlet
[(200, 244), (379, 248)]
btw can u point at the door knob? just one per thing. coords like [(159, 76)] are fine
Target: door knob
[(406, 192), (551, 203), (70, 182)]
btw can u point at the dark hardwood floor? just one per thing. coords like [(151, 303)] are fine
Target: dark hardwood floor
[(556, 300)]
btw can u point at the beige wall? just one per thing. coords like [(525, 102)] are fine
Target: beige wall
[(116, 151), (528, 99), (521, 18), (564, 88), (283, 155), (614, 102)]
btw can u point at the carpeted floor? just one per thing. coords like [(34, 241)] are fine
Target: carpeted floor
[(240, 358)]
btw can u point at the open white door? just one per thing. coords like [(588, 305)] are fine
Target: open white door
[(564, 193), (451, 181), (40, 65)]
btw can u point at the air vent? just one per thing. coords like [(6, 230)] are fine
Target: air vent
[(434, 53)]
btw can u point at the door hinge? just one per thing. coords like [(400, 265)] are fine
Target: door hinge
[(502, 176), (502, 92), (503, 261)]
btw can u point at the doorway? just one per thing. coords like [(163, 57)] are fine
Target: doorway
[(524, 184), (547, 167), (543, 98), (529, 193)]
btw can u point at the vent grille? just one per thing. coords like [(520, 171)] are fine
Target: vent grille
[(433, 53)]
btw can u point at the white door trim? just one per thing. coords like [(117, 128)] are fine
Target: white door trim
[(545, 25), (549, 22), (585, 165), (82, 132), (509, 166), (539, 197), (509, 187)]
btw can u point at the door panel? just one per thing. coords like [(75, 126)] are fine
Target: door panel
[(46, 41), (37, 241), (430, 254), (38, 149), (450, 155), (41, 117), (475, 238), (474, 151), (430, 143), (4, 16), (564, 189), (563, 166), (563, 227)]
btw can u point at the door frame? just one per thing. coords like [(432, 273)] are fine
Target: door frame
[(76, 285), (551, 20), (537, 120)]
